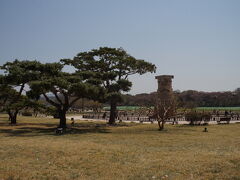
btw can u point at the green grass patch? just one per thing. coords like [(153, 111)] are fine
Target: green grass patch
[(125, 108), (219, 108)]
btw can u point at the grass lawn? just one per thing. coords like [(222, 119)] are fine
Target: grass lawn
[(31, 150)]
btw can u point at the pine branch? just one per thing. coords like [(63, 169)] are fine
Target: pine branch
[(50, 101)]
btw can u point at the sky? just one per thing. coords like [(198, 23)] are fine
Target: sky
[(197, 41)]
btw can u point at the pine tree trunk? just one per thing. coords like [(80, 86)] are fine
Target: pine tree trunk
[(112, 112), (13, 117), (63, 121)]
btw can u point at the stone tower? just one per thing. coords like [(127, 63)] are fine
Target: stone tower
[(165, 91)]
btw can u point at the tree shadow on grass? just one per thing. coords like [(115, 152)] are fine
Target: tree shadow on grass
[(7, 124), (26, 130)]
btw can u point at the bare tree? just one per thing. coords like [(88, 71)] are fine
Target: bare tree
[(163, 111)]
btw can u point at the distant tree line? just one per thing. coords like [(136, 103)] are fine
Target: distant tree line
[(189, 98)]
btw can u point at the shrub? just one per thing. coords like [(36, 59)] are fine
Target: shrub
[(196, 118), (56, 116), (26, 113)]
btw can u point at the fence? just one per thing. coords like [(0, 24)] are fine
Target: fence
[(134, 117)]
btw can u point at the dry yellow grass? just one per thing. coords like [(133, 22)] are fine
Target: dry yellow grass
[(31, 150)]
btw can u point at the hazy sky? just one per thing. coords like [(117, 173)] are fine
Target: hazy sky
[(197, 41)]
